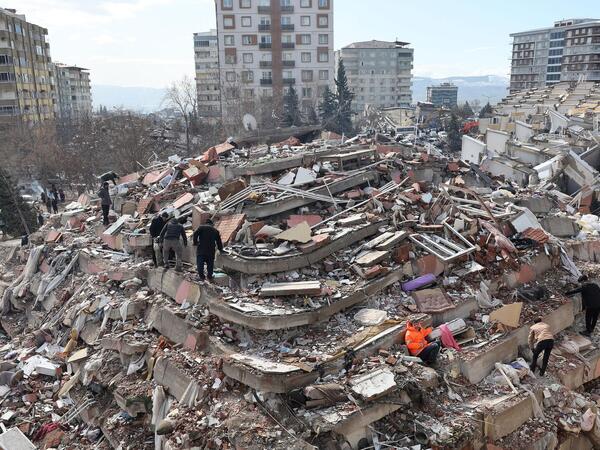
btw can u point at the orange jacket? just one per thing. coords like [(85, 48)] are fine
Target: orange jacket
[(415, 338)]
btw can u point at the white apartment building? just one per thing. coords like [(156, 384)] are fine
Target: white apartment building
[(564, 52), (265, 46), (72, 92), (379, 73), (206, 56)]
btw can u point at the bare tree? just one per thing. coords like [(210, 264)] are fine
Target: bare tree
[(182, 96)]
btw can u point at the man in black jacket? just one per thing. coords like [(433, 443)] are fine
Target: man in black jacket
[(207, 238), (169, 236), (105, 202), (590, 298), (156, 227)]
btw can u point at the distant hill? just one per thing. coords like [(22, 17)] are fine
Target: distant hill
[(140, 99), (469, 88)]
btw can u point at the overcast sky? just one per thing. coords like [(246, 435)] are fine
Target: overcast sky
[(150, 42)]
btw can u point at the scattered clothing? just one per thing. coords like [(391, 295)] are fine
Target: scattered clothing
[(448, 340)]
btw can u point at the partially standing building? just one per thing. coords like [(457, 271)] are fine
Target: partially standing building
[(206, 57), (25, 70), (379, 73), (444, 94), (72, 92)]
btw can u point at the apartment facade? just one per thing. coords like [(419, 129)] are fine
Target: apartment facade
[(379, 73), (206, 57), (72, 92), (266, 46), (567, 51), (444, 94), (25, 70)]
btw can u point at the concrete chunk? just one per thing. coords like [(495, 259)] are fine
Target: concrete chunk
[(297, 288)]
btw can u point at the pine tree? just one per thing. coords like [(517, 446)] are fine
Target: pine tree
[(291, 110), (486, 111), (311, 117), (344, 101), (453, 132), (327, 110), (16, 217), (467, 111)]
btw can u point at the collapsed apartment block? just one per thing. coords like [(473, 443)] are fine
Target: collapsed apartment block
[(331, 249)]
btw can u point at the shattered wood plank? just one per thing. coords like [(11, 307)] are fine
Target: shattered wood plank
[(295, 288)]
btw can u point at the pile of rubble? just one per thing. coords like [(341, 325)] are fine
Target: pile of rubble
[(330, 249)]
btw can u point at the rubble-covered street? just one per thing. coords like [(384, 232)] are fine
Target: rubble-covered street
[(331, 248)]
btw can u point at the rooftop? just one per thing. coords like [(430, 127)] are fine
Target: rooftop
[(378, 44)]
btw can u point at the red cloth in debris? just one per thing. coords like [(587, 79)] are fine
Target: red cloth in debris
[(448, 340), (45, 429)]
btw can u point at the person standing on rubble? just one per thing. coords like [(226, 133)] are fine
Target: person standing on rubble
[(105, 202), (540, 340), (207, 239), (418, 345), (590, 299), (156, 227), (55, 197), (169, 236)]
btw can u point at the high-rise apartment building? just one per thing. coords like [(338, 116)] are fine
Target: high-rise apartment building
[(25, 72), (206, 56), (379, 73), (445, 94), (266, 46), (568, 51), (72, 92)]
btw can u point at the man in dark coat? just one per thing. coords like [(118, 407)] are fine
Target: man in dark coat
[(590, 298), (207, 238), (170, 238), (105, 202), (156, 227)]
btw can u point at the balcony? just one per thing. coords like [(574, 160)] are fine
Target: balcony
[(264, 45), (264, 10), (289, 81), (288, 45), (266, 64), (287, 27), (288, 63), (264, 26), (266, 81), (287, 9)]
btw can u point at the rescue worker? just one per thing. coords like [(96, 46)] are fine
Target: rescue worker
[(156, 227), (207, 239), (105, 202), (540, 340), (418, 345), (170, 239), (590, 299)]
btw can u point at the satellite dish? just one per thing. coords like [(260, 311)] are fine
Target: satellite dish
[(249, 122)]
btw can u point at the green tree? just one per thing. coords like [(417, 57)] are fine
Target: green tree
[(16, 217), (486, 111), (467, 111), (453, 132), (327, 109), (291, 109), (344, 101), (311, 117)]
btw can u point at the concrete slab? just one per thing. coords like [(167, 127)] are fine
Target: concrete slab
[(177, 329), (508, 415), (479, 367)]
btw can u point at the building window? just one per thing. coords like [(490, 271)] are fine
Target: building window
[(307, 75), (230, 76), (246, 21), (267, 75), (323, 39), (286, 20), (286, 39), (228, 22), (264, 20), (305, 21), (265, 39), (287, 56), (247, 58), (304, 39), (285, 2), (245, 4), (307, 92), (264, 3), (247, 76), (323, 4), (248, 39), (7, 76), (322, 20), (288, 75), (6, 59), (227, 4), (305, 3), (305, 57), (229, 39), (323, 57), (323, 74)]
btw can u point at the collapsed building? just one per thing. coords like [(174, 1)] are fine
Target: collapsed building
[(331, 248)]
